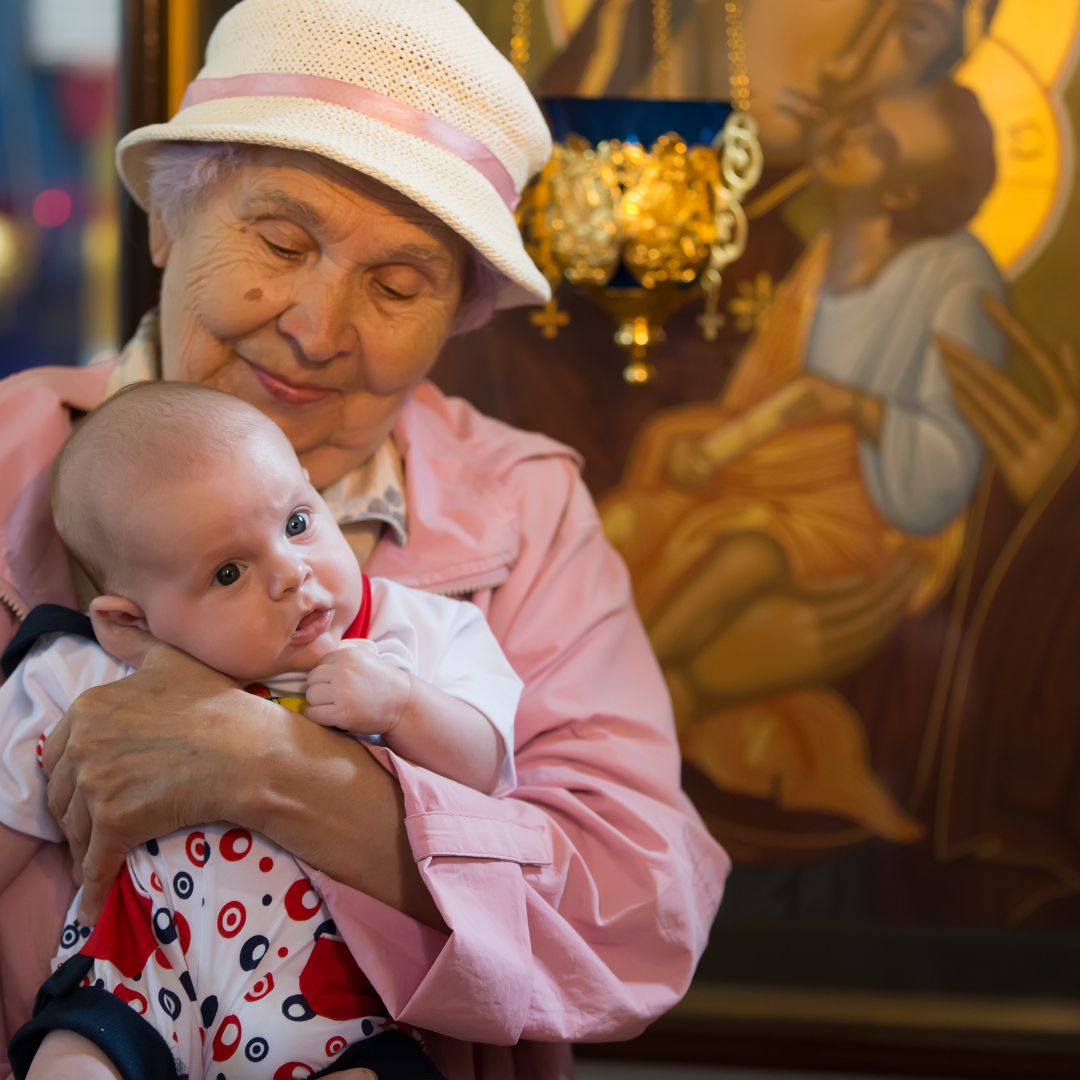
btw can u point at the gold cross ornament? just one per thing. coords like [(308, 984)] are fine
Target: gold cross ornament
[(550, 319)]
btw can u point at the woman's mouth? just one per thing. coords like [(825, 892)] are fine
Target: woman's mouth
[(312, 625), (287, 391)]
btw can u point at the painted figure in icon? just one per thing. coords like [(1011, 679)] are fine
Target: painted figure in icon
[(968, 703), (836, 451)]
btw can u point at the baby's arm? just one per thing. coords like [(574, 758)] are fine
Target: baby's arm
[(63, 1055), (357, 691), (16, 850)]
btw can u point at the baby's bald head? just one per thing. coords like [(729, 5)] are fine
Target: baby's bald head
[(139, 441)]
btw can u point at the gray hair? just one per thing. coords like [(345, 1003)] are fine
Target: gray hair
[(182, 175)]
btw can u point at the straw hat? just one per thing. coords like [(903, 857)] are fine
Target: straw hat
[(409, 92)]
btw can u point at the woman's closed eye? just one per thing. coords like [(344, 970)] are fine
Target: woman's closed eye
[(284, 239), (398, 282), (393, 294), (282, 252)]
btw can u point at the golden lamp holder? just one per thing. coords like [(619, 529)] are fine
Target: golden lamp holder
[(641, 231)]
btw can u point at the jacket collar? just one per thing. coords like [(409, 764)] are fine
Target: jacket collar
[(464, 518)]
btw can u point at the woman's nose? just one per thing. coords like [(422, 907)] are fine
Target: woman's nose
[(321, 321)]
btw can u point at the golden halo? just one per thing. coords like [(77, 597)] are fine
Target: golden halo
[(1017, 71)]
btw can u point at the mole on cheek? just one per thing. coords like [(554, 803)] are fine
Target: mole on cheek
[(253, 294)]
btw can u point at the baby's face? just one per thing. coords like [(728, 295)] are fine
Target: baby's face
[(242, 565)]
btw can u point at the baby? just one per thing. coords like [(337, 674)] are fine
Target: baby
[(215, 955)]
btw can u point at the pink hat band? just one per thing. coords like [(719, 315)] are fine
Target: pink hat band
[(367, 102)]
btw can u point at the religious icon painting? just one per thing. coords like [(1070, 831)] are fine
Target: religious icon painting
[(851, 516)]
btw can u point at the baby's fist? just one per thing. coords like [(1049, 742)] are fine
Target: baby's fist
[(353, 689)]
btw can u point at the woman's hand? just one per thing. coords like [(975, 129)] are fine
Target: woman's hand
[(178, 744), (1027, 441), (142, 757)]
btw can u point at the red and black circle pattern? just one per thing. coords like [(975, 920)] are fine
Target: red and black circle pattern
[(277, 932)]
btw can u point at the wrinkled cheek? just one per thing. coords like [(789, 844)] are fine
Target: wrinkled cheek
[(208, 307), (191, 349), (226, 308), (403, 356)]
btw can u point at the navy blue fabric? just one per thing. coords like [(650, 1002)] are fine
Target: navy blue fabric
[(390, 1056), (44, 619), (139, 1052), (131, 1043)]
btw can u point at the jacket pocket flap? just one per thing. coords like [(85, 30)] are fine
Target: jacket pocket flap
[(446, 833)]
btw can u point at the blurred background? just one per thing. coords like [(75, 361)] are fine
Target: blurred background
[(58, 205)]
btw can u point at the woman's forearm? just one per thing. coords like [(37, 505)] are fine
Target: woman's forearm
[(177, 744), (322, 797)]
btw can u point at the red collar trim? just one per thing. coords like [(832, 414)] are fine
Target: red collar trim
[(361, 625), (359, 629)]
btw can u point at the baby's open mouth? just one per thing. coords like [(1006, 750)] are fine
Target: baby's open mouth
[(313, 624)]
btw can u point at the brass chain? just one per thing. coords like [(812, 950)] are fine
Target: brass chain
[(710, 320), (737, 76), (520, 36), (661, 38)]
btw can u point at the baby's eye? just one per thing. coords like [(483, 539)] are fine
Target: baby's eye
[(297, 523), (229, 574)]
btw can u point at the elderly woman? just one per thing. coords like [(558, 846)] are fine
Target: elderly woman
[(333, 199)]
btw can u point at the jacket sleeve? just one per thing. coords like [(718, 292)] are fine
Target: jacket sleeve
[(579, 905)]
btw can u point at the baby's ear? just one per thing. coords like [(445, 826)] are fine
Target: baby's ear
[(121, 629)]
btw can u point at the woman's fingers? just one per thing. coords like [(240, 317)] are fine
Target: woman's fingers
[(101, 866), (78, 825), (168, 746), (55, 745), (61, 783)]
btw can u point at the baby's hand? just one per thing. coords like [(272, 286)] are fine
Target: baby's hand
[(353, 689)]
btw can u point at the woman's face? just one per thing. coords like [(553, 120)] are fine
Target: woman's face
[(320, 297)]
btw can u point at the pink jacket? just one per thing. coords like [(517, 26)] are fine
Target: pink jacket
[(579, 905)]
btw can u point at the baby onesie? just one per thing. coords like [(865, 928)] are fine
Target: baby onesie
[(214, 936)]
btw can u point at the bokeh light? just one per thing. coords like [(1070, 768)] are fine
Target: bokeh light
[(9, 252), (52, 208)]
